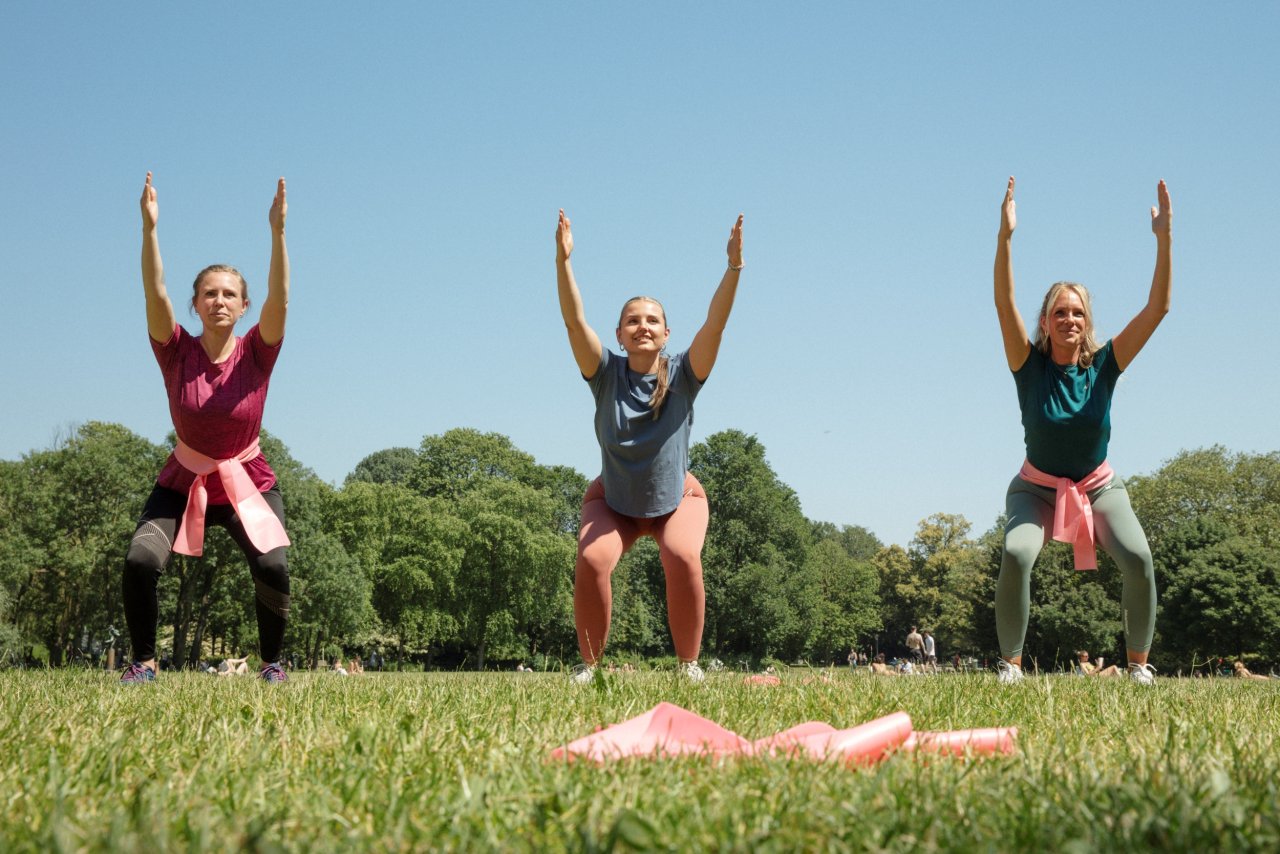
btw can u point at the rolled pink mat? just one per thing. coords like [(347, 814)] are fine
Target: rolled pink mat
[(762, 679), (958, 742), (867, 744), (861, 745), (792, 741), (664, 730)]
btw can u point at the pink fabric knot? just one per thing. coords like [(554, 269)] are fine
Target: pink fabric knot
[(260, 524), (1072, 512)]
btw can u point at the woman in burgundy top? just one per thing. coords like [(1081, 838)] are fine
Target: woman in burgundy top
[(217, 387)]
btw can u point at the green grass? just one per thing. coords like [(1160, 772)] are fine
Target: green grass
[(460, 761)]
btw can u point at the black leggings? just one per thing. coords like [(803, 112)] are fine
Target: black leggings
[(152, 547)]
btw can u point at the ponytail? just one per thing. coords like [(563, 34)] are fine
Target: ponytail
[(664, 383)]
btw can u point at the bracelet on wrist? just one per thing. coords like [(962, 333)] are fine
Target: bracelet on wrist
[(737, 269)]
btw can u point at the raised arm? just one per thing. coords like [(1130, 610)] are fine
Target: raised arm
[(706, 344), (582, 338), (160, 317), (1014, 332), (1130, 342), (276, 307)]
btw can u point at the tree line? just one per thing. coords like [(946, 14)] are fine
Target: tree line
[(460, 553)]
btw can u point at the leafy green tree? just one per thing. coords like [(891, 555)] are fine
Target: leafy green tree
[(515, 566), (80, 502), (638, 624), (411, 549), (18, 552), (10, 638), (940, 582), (949, 586), (1223, 592), (1242, 490), (856, 541), (897, 611), (462, 459), (766, 621), (331, 599), (758, 532), (567, 486), (392, 465), (839, 596)]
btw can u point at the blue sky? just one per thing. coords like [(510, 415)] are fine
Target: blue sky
[(427, 147)]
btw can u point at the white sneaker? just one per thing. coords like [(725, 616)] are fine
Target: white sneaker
[(691, 671), (1142, 674), (1007, 672), (582, 674)]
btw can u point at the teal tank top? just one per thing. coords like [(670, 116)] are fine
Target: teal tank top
[(1066, 412)]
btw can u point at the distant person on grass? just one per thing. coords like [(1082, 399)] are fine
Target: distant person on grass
[(232, 667), (1242, 672), (644, 412), (1065, 381), (1090, 668), (217, 387), (915, 645)]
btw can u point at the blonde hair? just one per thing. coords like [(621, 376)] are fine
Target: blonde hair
[(1089, 346), (219, 268), (664, 373)]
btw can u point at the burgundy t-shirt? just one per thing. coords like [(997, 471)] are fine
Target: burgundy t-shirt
[(216, 409)]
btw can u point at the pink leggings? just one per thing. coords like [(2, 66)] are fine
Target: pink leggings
[(605, 537)]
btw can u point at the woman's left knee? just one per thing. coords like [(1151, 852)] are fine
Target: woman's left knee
[(682, 565), (273, 569), (1138, 563)]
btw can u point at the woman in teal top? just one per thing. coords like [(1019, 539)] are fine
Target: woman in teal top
[(1065, 381)]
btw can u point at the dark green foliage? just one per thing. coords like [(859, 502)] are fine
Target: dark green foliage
[(1223, 583), (392, 466), (463, 551), (757, 539), (71, 510)]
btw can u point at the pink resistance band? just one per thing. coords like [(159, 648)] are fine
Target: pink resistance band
[(260, 524), (1072, 512)]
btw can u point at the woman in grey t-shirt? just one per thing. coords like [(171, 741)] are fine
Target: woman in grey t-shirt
[(644, 410)]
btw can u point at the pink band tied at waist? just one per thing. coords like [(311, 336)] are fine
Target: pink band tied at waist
[(260, 524), (1072, 512)]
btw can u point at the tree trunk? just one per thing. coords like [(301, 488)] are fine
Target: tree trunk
[(202, 621), (182, 611)]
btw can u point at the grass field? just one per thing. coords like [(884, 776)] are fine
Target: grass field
[(459, 762)]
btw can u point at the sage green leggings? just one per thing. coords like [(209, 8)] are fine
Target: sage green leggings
[(1116, 529)]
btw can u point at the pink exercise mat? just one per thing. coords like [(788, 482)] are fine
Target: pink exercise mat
[(664, 730), (668, 730), (865, 744), (956, 743)]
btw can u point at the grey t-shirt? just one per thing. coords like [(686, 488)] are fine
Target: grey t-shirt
[(643, 461)]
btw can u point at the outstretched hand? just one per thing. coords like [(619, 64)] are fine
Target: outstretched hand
[(279, 209), (564, 238), (1162, 216), (150, 207), (735, 244), (1008, 211)]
